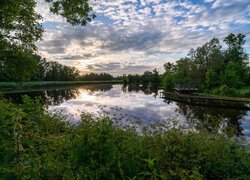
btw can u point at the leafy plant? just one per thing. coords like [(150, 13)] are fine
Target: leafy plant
[(35, 145)]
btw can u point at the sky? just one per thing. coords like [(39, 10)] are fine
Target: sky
[(133, 36)]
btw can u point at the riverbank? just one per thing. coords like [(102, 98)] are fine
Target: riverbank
[(26, 86)]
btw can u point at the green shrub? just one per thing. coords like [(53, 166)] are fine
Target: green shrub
[(168, 82), (34, 145), (225, 91)]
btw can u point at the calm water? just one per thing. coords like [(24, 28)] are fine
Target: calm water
[(139, 107)]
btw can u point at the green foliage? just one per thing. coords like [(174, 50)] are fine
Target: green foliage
[(76, 12), (19, 23), (229, 91), (211, 78), (97, 77), (168, 82), (34, 145), (19, 143), (16, 64), (235, 52), (244, 92), (211, 67), (234, 75), (146, 78), (20, 29), (53, 71), (20, 66)]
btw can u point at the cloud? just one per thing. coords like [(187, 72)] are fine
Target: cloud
[(137, 41), (130, 36), (105, 67)]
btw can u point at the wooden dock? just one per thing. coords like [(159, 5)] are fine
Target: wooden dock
[(207, 100), (185, 88)]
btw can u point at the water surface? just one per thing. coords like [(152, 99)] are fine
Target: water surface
[(139, 107)]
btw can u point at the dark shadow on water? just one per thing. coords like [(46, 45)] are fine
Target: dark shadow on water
[(213, 119), (57, 96), (147, 90)]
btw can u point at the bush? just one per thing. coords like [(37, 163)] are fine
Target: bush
[(34, 145), (244, 92), (225, 91), (168, 82)]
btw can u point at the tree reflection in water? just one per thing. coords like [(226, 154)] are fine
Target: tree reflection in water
[(53, 97), (213, 119), (129, 104), (147, 90)]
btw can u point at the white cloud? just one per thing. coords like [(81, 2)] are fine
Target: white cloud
[(139, 33)]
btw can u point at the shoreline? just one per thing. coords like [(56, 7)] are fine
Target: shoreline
[(11, 87)]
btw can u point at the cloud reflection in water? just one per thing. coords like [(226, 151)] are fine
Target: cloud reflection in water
[(137, 108)]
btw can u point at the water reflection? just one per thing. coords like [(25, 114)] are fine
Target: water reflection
[(138, 107), (213, 119), (48, 97), (148, 90), (52, 97)]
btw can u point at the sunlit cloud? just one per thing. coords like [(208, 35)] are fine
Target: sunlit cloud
[(131, 36)]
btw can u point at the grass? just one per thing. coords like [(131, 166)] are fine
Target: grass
[(33, 84), (35, 145)]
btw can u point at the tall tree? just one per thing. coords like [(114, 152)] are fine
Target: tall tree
[(19, 22), (210, 66), (20, 28), (235, 51), (17, 65)]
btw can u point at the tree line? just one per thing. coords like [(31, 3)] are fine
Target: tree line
[(147, 77), (212, 68), (22, 66)]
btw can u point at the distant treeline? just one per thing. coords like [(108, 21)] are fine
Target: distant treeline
[(147, 77), (212, 68), (17, 65), (97, 77)]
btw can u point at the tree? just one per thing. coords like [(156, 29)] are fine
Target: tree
[(235, 51), (147, 77), (233, 75), (20, 28), (207, 56), (168, 82), (19, 22), (156, 77), (53, 71), (169, 68), (76, 12), (97, 77), (19, 65), (211, 67), (212, 78)]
